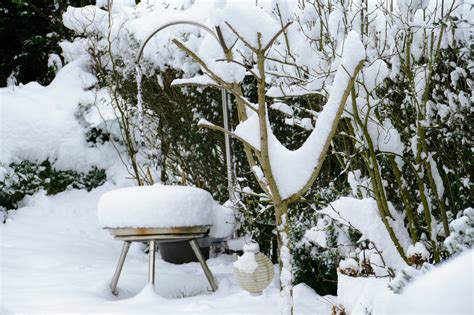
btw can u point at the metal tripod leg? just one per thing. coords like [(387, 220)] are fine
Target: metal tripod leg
[(118, 270), (151, 261), (195, 246)]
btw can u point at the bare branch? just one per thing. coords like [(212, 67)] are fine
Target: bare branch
[(241, 38), (270, 43), (230, 133), (201, 62)]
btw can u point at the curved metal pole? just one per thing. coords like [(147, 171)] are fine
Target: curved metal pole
[(162, 27), (225, 113)]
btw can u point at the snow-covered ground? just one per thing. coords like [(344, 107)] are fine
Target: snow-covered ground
[(55, 258)]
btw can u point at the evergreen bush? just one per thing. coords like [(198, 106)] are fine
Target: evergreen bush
[(26, 178)]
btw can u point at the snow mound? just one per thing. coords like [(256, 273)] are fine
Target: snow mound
[(39, 122), (418, 250), (246, 263), (446, 289), (156, 206), (358, 294), (223, 221)]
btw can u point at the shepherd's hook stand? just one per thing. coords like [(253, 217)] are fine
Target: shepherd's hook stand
[(225, 109)]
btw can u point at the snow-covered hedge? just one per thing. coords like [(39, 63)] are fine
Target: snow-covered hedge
[(48, 136)]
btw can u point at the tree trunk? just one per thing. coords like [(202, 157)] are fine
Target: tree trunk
[(284, 259)]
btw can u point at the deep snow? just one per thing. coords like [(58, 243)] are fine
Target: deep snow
[(55, 258)]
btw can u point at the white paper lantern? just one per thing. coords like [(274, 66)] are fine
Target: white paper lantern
[(253, 270)]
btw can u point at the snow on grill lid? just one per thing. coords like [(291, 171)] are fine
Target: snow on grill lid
[(155, 206)]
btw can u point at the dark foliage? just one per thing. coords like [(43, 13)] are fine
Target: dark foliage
[(27, 178), (30, 31)]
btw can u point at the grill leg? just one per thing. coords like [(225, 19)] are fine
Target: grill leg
[(151, 261), (118, 270), (202, 261)]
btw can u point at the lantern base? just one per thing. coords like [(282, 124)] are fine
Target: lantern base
[(255, 293)]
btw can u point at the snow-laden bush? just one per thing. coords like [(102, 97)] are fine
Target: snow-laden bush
[(407, 119), (49, 140), (26, 178), (462, 233)]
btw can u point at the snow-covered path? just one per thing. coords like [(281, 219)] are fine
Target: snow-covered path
[(55, 258)]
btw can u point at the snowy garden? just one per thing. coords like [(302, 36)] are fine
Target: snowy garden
[(236, 157)]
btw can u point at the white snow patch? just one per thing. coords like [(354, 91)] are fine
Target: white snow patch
[(318, 234), (223, 221), (39, 122), (349, 265), (358, 294), (447, 289), (364, 215), (249, 130), (203, 80), (375, 74), (282, 107), (156, 206), (236, 244), (418, 250), (246, 263)]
